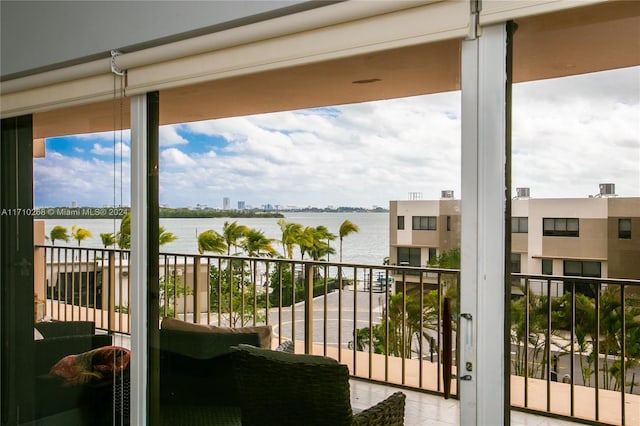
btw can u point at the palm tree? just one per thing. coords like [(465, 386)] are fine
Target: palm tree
[(59, 233), (232, 232), (346, 228), (165, 236), (108, 239), (314, 241), (306, 240), (255, 243), (290, 236), (80, 234), (211, 241), (123, 237)]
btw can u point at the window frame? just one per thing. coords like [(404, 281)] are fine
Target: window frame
[(424, 223), (410, 257), (560, 227), (514, 262), (520, 225), (582, 264), (624, 234), (400, 222), (433, 253)]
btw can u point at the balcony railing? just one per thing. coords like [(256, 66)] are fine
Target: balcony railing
[(385, 322)]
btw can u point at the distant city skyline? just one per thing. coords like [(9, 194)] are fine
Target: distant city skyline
[(569, 135)]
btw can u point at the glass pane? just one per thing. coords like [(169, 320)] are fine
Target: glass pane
[(624, 225), (82, 241), (549, 225), (560, 163), (349, 162), (591, 269), (515, 263)]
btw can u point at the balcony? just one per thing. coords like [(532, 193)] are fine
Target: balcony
[(385, 322)]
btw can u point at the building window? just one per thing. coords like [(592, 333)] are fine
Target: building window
[(425, 223), (624, 229), (409, 256), (516, 265), (519, 225), (448, 223), (547, 266), (560, 227), (400, 222), (582, 268), (432, 254)]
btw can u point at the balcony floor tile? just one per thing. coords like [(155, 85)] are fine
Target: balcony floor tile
[(427, 409)]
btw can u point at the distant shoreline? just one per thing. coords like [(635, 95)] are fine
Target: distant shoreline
[(181, 213)]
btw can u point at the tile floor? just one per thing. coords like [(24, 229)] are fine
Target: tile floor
[(425, 409)]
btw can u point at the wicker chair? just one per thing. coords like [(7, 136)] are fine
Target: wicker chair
[(277, 388)]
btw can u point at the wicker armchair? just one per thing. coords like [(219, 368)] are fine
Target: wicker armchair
[(277, 388)]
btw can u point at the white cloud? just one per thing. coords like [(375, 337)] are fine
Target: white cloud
[(364, 154), (60, 179), (169, 136), (121, 149), (571, 134), (175, 157)]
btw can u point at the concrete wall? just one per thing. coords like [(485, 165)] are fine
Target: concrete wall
[(623, 254)]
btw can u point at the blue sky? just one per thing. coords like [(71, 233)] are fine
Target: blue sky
[(569, 135)]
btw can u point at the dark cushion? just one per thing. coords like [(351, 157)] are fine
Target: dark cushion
[(199, 415), (263, 331), (197, 368), (279, 388), (65, 328)]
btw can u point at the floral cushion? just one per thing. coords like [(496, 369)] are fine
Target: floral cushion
[(91, 366)]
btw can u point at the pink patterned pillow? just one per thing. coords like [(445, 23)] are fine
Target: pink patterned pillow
[(92, 365)]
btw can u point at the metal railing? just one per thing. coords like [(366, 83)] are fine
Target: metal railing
[(576, 347), (339, 310), (574, 353)]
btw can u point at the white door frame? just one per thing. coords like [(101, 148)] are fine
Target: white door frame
[(138, 272), (482, 288)]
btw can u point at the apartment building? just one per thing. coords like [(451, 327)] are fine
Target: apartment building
[(591, 237)]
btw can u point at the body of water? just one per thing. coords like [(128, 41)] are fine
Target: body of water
[(368, 246)]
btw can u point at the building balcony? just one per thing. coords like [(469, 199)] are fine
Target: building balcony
[(386, 332)]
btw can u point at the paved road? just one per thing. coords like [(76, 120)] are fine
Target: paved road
[(339, 310)]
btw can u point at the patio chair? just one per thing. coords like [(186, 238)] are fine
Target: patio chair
[(278, 388)]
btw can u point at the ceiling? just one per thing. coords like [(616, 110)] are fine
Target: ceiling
[(575, 41)]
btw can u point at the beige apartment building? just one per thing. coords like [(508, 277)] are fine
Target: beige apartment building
[(592, 237)]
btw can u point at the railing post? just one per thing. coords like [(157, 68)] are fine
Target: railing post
[(111, 293), (196, 289), (308, 309)]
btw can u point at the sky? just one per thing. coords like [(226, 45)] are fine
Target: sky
[(569, 135)]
